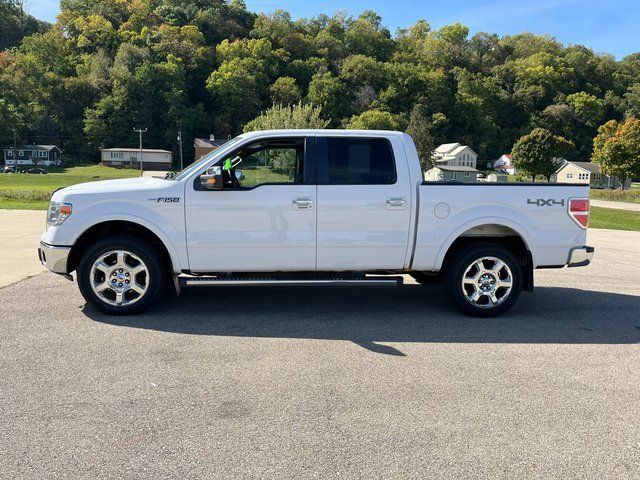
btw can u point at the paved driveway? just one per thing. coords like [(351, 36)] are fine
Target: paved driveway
[(20, 232), (328, 383)]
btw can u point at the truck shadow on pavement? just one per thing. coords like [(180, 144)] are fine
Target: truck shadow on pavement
[(373, 316)]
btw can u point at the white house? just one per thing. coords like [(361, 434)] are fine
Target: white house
[(454, 155), (152, 159), (505, 162), (26, 155)]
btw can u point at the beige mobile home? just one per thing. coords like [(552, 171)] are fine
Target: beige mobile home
[(152, 159)]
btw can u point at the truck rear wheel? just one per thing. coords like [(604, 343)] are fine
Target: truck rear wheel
[(122, 275), (484, 280)]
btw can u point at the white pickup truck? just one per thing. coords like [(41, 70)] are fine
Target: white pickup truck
[(304, 207)]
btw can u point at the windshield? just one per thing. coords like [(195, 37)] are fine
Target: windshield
[(207, 158)]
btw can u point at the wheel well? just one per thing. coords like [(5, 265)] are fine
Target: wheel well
[(501, 235), (114, 227)]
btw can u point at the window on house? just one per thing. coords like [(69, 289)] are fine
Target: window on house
[(9, 153), (467, 174), (20, 153), (569, 175), (454, 175)]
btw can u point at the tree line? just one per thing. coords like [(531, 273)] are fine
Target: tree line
[(212, 66)]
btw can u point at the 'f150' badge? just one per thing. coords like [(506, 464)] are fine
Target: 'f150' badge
[(549, 202), (165, 199)]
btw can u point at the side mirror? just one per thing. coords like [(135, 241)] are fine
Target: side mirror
[(211, 179)]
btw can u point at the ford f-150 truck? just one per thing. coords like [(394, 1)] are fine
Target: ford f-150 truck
[(305, 207)]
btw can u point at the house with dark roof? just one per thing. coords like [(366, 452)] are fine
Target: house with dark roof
[(587, 173), (28, 155), (203, 146), (455, 173)]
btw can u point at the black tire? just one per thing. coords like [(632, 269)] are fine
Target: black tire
[(157, 273), (463, 260), (426, 278)]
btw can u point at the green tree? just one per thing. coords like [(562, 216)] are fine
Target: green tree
[(292, 116), (15, 24), (617, 149), (285, 91), (426, 131), (589, 109), (237, 90), (539, 153), (376, 120), (330, 94), (367, 36)]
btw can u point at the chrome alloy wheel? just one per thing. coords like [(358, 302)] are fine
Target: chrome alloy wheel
[(119, 278), (487, 282)]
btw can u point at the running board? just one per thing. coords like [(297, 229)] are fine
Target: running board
[(283, 282)]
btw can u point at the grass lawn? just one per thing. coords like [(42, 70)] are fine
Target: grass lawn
[(32, 192), (631, 195), (614, 219)]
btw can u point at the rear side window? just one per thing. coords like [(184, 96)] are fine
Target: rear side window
[(356, 161)]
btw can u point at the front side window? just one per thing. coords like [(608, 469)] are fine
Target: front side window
[(273, 161), (356, 161), (10, 153)]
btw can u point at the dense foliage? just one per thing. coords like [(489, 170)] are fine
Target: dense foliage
[(540, 153), (290, 116), (211, 66), (15, 23), (617, 149)]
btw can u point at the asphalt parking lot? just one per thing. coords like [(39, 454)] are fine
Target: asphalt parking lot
[(328, 383)]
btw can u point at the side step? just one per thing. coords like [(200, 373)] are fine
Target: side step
[(189, 281)]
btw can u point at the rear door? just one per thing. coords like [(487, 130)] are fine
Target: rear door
[(363, 203)]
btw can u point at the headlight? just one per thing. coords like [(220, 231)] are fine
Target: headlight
[(58, 212)]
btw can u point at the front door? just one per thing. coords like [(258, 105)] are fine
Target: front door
[(264, 218), (363, 204)]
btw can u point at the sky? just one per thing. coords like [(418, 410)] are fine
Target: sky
[(605, 26)]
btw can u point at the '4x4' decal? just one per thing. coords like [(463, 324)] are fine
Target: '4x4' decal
[(549, 202)]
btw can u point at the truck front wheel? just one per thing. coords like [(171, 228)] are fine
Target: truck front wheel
[(484, 279), (122, 275)]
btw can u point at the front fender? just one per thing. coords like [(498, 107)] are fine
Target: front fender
[(167, 225)]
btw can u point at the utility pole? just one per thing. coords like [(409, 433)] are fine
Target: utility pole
[(140, 132), (15, 151), (180, 143)]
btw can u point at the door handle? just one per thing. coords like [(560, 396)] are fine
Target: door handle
[(303, 203), (396, 202)]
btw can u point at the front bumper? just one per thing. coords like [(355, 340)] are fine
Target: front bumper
[(54, 258), (580, 256)]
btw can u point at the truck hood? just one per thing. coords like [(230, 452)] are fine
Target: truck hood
[(116, 186)]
